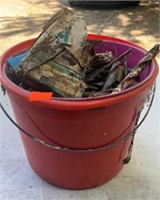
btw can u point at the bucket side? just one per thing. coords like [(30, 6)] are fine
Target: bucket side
[(81, 129), (75, 170)]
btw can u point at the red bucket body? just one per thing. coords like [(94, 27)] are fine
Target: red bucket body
[(79, 124)]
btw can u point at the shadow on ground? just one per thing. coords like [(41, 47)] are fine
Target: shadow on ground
[(134, 23)]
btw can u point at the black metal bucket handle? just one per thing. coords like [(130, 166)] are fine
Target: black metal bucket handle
[(132, 133)]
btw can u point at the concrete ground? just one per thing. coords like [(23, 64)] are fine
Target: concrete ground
[(140, 179)]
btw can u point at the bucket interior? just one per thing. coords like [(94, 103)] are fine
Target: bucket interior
[(103, 43), (117, 48)]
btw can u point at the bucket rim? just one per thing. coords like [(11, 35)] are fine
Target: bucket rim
[(77, 103)]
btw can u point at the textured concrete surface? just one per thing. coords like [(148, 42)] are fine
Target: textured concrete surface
[(140, 179)]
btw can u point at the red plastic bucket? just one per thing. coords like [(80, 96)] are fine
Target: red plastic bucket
[(79, 124)]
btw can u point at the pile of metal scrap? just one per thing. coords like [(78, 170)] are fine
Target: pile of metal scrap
[(107, 74), (63, 61)]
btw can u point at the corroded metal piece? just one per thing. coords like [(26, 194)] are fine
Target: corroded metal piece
[(116, 74), (107, 70), (58, 58), (101, 59), (101, 69), (137, 70)]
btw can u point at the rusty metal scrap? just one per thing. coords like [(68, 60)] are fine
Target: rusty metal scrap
[(59, 56), (137, 70), (107, 70)]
